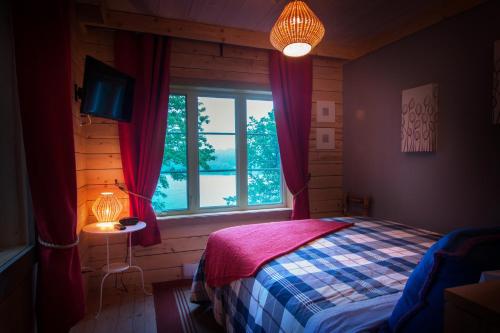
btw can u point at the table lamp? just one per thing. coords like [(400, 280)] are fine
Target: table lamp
[(106, 209)]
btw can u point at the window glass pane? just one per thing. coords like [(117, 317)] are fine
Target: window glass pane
[(263, 152), (264, 187), (171, 191), (264, 167), (217, 188), (176, 114), (219, 152), (260, 117), (216, 115), (175, 154)]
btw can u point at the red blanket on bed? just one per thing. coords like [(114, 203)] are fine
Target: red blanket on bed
[(238, 252)]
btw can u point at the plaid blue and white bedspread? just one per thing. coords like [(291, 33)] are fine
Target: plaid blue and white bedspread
[(371, 259)]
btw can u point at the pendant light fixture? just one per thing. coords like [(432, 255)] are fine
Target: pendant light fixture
[(297, 31)]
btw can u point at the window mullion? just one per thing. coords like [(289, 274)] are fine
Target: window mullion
[(241, 137), (193, 179)]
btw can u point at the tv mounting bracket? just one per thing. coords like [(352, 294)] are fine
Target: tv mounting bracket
[(78, 92)]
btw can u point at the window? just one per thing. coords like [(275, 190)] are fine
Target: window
[(221, 153), (17, 226)]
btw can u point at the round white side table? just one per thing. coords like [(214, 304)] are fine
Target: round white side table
[(115, 267)]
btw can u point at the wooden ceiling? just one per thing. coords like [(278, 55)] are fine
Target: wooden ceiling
[(353, 27)]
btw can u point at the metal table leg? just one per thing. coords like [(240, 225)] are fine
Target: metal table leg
[(104, 277)]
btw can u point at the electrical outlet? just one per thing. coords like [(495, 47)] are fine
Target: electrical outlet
[(188, 270)]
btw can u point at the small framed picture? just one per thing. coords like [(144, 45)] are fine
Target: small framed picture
[(325, 138), (325, 111)]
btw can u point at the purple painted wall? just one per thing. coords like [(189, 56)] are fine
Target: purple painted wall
[(459, 185)]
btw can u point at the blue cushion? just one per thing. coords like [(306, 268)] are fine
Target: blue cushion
[(456, 259)]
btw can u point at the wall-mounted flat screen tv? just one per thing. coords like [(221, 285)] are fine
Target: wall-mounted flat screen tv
[(107, 92)]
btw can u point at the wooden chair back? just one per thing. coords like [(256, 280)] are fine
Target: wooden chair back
[(356, 205)]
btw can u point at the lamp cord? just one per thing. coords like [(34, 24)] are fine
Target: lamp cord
[(124, 189)]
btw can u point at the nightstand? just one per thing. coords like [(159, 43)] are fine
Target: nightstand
[(473, 308), (109, 268)]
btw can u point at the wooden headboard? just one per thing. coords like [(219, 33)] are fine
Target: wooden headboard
[(356, 205)]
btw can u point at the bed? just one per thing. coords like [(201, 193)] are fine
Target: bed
[(357, 273)]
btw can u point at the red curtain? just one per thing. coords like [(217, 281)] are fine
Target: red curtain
[(43, 64), (147, 58), (291, 85)]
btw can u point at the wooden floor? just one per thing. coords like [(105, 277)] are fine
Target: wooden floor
[(122, 312)]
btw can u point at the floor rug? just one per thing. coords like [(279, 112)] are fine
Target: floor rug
[(176, 314)]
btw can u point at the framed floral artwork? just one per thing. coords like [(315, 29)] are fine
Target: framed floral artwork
[(419, 119)]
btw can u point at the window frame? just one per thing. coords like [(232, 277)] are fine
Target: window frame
[(193, 186)]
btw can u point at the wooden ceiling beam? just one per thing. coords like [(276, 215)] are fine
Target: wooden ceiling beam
[(91, 11), (94, 13), (192, 30)]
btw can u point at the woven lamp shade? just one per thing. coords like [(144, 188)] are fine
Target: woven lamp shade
[(297, 31), (107, 208)]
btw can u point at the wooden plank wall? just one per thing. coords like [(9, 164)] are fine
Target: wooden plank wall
[(201, 63)]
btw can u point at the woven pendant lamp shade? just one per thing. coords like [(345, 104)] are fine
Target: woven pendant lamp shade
[(297, 31), (107, 208)]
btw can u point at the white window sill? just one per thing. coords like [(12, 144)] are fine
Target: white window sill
[(10, 255), (229, 217)]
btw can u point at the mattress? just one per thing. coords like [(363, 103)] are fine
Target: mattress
[(372, 259)]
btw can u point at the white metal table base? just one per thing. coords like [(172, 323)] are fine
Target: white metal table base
[(115, 268)]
